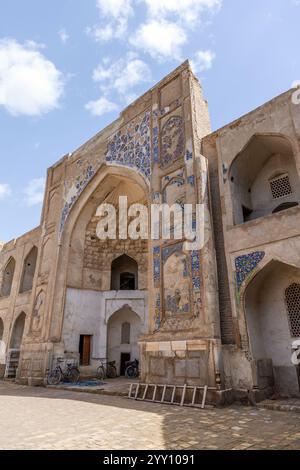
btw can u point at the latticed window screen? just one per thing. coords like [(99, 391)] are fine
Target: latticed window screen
[(281, 186), (292, 295)]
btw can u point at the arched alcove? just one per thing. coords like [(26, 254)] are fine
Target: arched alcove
[(267, 314), (263, 178), (29, 270), (17, 332), (123, 332), (124, 273), (7, 278)]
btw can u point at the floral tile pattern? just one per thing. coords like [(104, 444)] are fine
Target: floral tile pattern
[(172, 141), (246, 264), (131, 147)]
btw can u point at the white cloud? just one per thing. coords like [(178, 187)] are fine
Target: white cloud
[(123, 74), (203, 61), (5, 191), (64, 37), (116, 14), (118, 77), (186, 10), (34, 192), (101, 106), (30, 84), (115, 8), (160, 38)]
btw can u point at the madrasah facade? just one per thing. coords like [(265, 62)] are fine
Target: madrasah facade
[(225, 315)]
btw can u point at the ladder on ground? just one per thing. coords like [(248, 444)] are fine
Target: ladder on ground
[(12, 363), (180, 395)]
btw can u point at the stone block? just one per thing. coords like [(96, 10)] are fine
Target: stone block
[(192, 368), (166, 346), (152, 347), (180, 368), (157, 367), (179, 345), (197, 345)]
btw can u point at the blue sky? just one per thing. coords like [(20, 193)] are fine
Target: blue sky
[(68, 67)]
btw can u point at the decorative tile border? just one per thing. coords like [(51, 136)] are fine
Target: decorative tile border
[(129, 148), (245, 265), (74, 194), (156, 266), (172, 141)]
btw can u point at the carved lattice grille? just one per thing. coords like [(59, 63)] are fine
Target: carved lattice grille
[(292, 295), (281, 186)]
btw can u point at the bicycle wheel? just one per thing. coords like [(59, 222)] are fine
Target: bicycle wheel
[(73, 375), (111, 371), (131, 372), (54, 377), (101, 373)]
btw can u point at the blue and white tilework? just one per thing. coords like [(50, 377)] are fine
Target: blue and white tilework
[(131, 147), (156, 266), (245, 264), (74, 193)]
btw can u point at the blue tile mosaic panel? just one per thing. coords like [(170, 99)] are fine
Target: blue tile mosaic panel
[(172, 141), (244, 266), (131, 147)]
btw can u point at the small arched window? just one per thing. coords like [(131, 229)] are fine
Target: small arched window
[(7, 278), (124, 274), (292, 296), (125, 334)]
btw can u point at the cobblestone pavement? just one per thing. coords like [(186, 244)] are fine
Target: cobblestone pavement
[(37, 418)]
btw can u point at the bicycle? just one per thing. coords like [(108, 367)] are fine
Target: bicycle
[(132, 369), (70, 373), (107, 369)]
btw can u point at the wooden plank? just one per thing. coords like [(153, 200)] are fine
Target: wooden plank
[(204, 398), (130, 391), (137, 391), (164, 394), (183, 396), (173, 395), (194, 396), (145, 391)]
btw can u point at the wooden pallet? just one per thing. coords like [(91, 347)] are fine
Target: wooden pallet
[(180, 395)]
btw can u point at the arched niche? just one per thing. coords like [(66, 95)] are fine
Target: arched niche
[(124, 273), (268, 312), (7, 278), (18, 332), (29, 270), (263, 178)]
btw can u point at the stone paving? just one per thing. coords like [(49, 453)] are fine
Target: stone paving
[(38, 418)]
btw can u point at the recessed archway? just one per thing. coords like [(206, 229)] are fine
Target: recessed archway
[(268, 327), (123, 330), (7, 278), (29, 270), (263, 178), (124, 273), (17, 332)]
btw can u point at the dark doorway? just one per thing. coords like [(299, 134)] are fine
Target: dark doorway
[(85, 349), (127, 281), (125, 357)]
